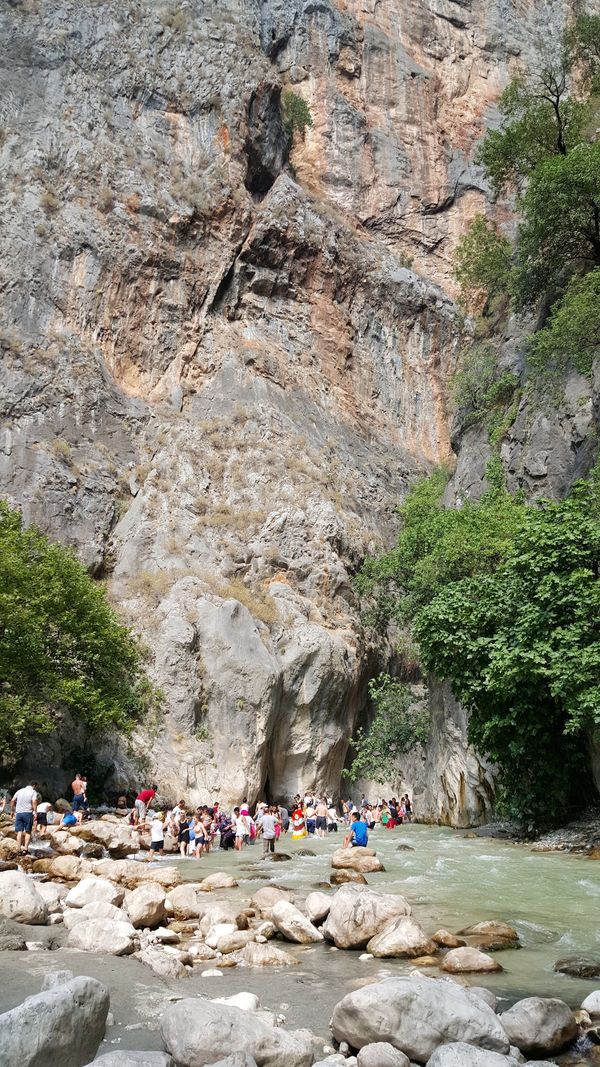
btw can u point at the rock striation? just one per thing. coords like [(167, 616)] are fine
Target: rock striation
[(226, 350)]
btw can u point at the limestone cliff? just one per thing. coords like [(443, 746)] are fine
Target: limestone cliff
[(226, 354)]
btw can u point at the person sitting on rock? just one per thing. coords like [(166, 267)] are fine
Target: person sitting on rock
[(358, 835)]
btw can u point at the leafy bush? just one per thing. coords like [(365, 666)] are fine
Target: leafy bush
[(398, 726), (546, 151), (62, 646), (483, 261), (479, 387), (504, 598), (296, 114), (572, 335)]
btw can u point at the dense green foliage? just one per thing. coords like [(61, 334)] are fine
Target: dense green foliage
[(480, 388), (504, 598), (62, 647), (546, 152), (398, 726), (572, 336), (296, 114)]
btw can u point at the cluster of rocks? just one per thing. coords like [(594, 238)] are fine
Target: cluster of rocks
[(107, 835), (402, 1022)]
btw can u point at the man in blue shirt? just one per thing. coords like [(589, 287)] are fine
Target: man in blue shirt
[(358, 835)]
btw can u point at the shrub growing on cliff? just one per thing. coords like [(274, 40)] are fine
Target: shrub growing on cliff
[(511, 620), (296, 114), (545, 151), (398, 726), (62, 647)]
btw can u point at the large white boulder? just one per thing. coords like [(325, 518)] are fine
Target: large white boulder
[(266, 955), (401, 937), (96, 909), (358, 913), (218, 880), (416, 1015), (540, 1026), (265, 899), (294, 926), (459, 1054), (66, 844), (130, 873), (20, 899), (162, 963), (469, 961), (217, 912), (103, 935), (93, 889), (60, 1027), (317, 906), (146, 906), (54, 894), (118, 839), (381, 1054), (591, 1003), (198, 1038), (183, 902), (356, 859)]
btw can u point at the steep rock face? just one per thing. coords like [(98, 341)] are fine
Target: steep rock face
[(220, 372)]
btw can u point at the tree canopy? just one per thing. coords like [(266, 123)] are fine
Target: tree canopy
[(546, 154), (62, 646), (504, 599)]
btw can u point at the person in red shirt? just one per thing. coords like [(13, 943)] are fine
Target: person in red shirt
[(142, 800)]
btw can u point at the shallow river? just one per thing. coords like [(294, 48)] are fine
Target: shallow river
[(450, 881), (552, 899)]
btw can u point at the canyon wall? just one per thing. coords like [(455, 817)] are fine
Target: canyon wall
[(226, 356)]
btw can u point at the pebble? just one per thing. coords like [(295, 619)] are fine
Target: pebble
[(213, 973), (366, 956)]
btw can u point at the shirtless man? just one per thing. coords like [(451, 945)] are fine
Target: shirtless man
[(78, 786), (321, 814)]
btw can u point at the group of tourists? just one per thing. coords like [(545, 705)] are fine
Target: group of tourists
[(34, 815), (196, 830)]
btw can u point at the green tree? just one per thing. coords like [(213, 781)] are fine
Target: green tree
[(559, 234), (504, 601), (483, 261), (62, 647), (399, 725), (572, 335), (296, 114)]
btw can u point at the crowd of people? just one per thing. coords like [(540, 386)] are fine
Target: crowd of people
[(198, 830)]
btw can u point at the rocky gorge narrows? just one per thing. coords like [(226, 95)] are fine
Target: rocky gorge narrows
[(226, 356)]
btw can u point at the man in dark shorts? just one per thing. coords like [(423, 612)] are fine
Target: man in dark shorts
[(24, 806), (79, 798), (321, 817)]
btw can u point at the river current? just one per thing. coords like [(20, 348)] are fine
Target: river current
[(553, 900)]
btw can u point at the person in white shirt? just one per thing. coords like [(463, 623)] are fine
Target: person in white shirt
[(270, 820), (24, 805), (41, 819), (157, 835)]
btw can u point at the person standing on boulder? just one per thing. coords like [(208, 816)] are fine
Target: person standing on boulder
[(24, 807), (142, 800)]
